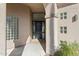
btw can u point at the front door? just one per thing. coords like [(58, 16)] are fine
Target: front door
[(39, 29)]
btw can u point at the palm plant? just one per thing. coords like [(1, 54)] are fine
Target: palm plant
[(68, 49)]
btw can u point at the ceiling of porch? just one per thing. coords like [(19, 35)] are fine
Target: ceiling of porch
[(35, 7)]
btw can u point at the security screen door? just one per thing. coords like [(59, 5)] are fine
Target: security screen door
[(38, 29)]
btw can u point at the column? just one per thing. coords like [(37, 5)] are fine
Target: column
[(3, 29), (51, 28)]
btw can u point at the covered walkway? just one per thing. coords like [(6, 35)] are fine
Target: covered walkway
[(31, 49)]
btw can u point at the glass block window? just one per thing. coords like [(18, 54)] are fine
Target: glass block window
[(11, 27)]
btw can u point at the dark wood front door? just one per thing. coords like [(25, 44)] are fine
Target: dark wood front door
[(39, 29)]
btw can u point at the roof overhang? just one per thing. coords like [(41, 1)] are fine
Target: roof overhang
[(39, 7)]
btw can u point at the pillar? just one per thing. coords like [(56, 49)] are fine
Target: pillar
[(3, 29), (51, 28)]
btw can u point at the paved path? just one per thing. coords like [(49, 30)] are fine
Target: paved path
[(31, 49)]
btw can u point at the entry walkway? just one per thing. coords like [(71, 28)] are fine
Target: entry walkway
[(31, 49)]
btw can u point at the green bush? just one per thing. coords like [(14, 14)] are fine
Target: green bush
[(68, 49)]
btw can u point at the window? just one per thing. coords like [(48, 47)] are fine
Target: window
[(63, 29), (11, 27), (74, 18), (63, 15)]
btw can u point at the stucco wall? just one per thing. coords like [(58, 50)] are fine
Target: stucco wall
[(2, 28), (24, 18), (72, 27)]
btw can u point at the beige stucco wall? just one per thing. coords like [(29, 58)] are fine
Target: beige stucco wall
[(2, 28), (25, 32), (72, 27)]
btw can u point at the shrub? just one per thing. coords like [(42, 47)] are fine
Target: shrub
[(67, 49)]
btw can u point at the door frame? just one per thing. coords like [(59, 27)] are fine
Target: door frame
[(39, 21)]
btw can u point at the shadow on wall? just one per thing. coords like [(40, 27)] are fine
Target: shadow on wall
[(18, 50)]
